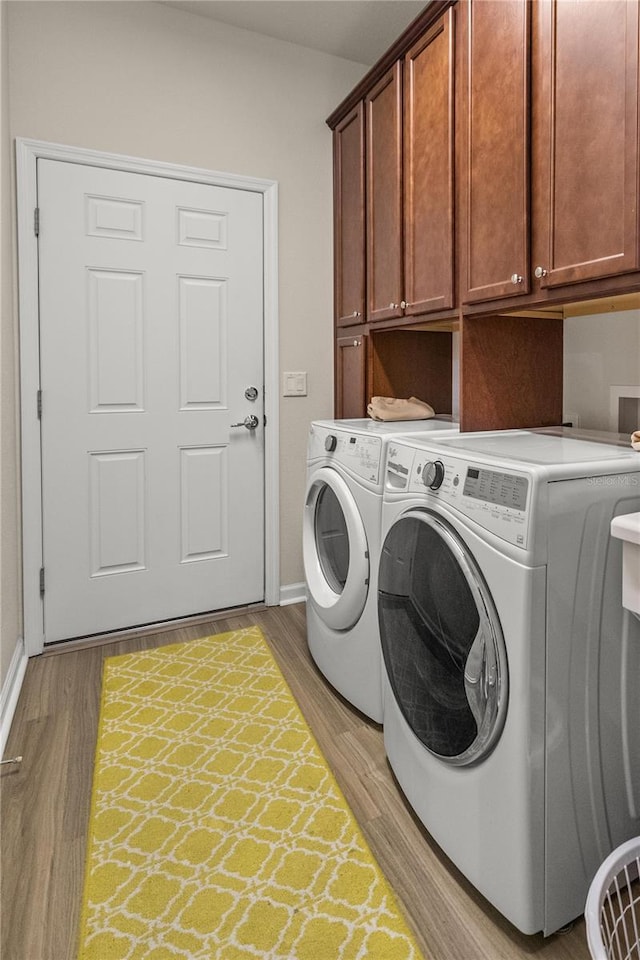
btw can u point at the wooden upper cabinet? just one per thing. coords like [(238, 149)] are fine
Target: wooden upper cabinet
[(349, 218), (410, 180), (383, 106), (586, 174), (494, 148), (429, 161), (548, 140)]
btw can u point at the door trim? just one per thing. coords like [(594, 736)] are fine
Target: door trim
[(28, 152)]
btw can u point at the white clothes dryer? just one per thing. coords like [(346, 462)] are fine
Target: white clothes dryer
[(511, 672), (341, 543)]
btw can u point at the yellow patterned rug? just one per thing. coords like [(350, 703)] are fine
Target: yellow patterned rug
[(217, 830)]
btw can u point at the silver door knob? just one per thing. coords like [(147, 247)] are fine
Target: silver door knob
[(250, 422), (251, 393), (540, 272), (516, 278)]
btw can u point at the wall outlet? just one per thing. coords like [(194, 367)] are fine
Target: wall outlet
[(294, 384)]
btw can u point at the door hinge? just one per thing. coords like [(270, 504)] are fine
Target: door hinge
[(41, 581), (39, 404), (36, 221)]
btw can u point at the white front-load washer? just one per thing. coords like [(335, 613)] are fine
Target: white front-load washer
[(511, 671), (341, 542)]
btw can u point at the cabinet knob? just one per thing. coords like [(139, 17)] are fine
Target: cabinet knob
[(540, 272), (403, 304), (516, 278), (356, 313), (356, 343), (393, 306)]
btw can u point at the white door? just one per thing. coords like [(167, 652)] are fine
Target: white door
[(151, 337)]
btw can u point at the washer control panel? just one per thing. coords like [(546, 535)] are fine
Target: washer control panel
[(497, 500), (502, 489)]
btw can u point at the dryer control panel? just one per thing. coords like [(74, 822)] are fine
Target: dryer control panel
[(359, 454), (497, 500)]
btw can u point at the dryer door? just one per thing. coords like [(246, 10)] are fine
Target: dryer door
[(443, 646), (335, 551)]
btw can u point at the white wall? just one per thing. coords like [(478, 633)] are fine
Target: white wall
[(150, 81), (600, 351), (10, 562)]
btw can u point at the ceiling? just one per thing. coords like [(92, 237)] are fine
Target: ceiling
[(359, 30)]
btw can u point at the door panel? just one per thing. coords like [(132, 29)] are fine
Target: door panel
[(429, 170), (349, 225), (494, 135), (151, 323), (384, 197), (586, 177), (117, 523), (202, 312)]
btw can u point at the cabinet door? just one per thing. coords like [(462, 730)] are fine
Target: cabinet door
[(384, 197), (350, 362), (494, 155), (585, 175), (349, 213), (429, 170)]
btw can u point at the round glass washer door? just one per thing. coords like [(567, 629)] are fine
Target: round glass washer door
[(335, 551), (443, 646)]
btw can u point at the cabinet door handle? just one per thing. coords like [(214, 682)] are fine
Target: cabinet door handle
[(516, 278), (540, 272)]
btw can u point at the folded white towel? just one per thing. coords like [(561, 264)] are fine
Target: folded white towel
[(635, 440), (391, 408)]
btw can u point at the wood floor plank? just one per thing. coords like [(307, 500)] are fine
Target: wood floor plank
[(45, 806)]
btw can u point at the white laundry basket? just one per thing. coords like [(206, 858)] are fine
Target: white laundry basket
[(612, 911)]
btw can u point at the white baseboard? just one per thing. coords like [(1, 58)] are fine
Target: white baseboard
[(292, 593), (11, 691)]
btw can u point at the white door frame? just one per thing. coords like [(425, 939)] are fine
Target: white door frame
[(27, 153)]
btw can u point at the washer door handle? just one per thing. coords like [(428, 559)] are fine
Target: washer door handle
[(480, 679)]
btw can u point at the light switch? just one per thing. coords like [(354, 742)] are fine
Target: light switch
[(294, 384)]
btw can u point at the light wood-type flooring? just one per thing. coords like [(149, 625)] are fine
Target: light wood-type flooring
[(45, 806)]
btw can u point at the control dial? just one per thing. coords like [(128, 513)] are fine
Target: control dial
[(330, 442), (433, 474)]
